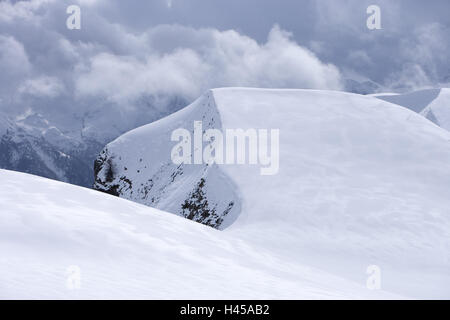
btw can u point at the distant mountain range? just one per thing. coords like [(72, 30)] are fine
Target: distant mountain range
[(31, 145), (362, 87), (65, 149)]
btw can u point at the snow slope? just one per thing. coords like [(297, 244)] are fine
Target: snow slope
[(416, 100), (124, 250), (433, 104), (438, 110), (361, 182)]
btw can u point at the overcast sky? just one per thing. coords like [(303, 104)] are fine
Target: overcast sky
[(415, 35), (160, 48)]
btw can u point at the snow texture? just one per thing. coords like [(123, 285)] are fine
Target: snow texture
[(60, 241)]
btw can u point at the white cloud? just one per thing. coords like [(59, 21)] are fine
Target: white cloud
[(134, 76), (429, 47), (14, 67), (21, 10), (13, 57), (222, 59), (360, 58), (42, 86), (411, 77), (422, 59), (117, 65)]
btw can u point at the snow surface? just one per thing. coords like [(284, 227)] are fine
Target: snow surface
[(438, 110), (125, 250), (416, 100), (433, 104), (361, 182)]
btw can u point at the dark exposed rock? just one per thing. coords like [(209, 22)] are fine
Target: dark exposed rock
[(197, 208)]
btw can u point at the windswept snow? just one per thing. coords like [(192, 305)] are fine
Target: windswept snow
[(361, 182), (416, 100), (126, 250), (433, 104), (438, 111)]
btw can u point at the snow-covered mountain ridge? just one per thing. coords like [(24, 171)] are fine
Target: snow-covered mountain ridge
[(359, 178)]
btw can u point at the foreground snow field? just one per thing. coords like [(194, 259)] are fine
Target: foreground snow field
[(127, 250)]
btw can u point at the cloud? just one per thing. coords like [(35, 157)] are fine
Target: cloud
[(142, 56), (414, 38), (166, 59), (429, 47), (360, 58), (132, 34), (421, 59), (13, 57), (410, 77), (42, 86), (21, 10), (135, 76), (14, 66), (220, 59)]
